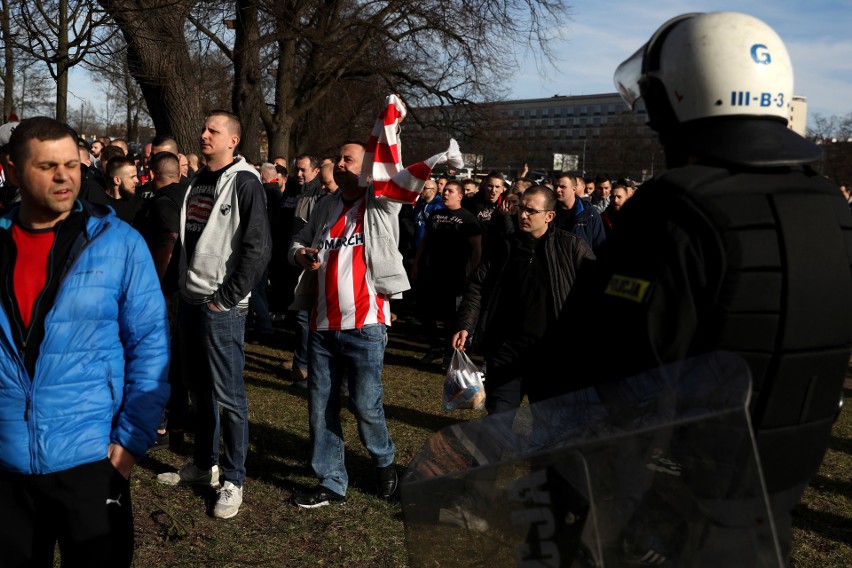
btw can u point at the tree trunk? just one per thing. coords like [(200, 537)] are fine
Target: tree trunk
[(279, 121), (158, 57), (247, 93), (8, 62), (279, 136), (62, 64)]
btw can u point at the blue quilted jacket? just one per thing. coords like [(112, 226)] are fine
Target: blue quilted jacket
[(102, 368)]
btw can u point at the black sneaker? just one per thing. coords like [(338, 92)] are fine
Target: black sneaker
[(386, 481), (432, 354), (319, 496), (161, 443)]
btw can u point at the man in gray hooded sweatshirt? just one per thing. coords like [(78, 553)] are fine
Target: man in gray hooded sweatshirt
[(225, 246)]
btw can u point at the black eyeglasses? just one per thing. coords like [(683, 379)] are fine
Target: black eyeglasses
[(530, 211)]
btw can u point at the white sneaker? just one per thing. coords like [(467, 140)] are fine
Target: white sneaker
[(190, 474), (229, 501)]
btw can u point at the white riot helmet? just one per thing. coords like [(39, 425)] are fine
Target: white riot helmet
[(724, 82)]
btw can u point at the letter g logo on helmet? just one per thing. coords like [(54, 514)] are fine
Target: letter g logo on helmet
[(760, 54)]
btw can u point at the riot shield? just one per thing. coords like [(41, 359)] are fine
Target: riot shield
[(659, 469)]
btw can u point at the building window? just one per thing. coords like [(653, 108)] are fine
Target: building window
[(597, 109), (584, 109)]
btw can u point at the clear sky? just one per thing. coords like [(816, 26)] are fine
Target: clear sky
[(600, 34)]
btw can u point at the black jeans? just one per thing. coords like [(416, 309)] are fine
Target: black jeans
[(86, 509)]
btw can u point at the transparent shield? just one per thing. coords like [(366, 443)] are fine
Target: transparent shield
[(659, 469)]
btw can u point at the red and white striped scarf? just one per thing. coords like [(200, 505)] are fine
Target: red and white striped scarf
[(383, 158)]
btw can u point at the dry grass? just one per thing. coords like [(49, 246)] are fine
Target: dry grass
[(174, 529)]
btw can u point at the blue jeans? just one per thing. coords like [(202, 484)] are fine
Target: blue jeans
[(260, 306), (300, 353), (357, 356), (213, 357)]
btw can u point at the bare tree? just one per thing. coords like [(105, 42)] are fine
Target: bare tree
[(159, 59), (84, 120), (432, 51), (7, 75), (33, 94), (290, 56), (109, 68), (834, 134), (61, 33)]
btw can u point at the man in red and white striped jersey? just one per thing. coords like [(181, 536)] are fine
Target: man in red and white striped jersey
[(352, 269)]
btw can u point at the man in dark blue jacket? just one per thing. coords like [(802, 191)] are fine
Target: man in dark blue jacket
[(83, 359), (576, 216)]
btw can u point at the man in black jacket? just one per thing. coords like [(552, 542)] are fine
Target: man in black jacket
[(518, 288)]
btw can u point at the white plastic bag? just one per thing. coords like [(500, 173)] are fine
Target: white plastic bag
[(463, 384)]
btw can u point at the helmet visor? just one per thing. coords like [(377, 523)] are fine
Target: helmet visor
[(630, 72), (627, 77)]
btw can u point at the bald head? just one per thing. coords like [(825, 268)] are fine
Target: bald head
[(348, 167)]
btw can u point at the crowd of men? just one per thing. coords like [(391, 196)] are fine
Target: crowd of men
[(101, 249), (491, 265)]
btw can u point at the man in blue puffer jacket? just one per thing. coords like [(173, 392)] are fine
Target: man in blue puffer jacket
[(83, 361)]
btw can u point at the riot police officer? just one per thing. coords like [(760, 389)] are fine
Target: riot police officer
[(738, 246)]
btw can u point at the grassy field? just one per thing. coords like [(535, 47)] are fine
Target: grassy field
[(173, 527)]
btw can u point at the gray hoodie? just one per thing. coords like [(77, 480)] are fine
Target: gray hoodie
[(235, 244)]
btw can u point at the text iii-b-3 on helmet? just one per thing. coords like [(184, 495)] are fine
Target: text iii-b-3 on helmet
[(724, 82)]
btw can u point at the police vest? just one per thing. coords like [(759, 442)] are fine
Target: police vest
[(778, 246)]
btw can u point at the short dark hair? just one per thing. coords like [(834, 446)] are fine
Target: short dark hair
[(165, 164), (570, 175), (549, 195), (110, 152), (116, 164), (313, 159), (496, 175), (444, 176), (601, 178), (39, 128), (233, 120), (455, 183)]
